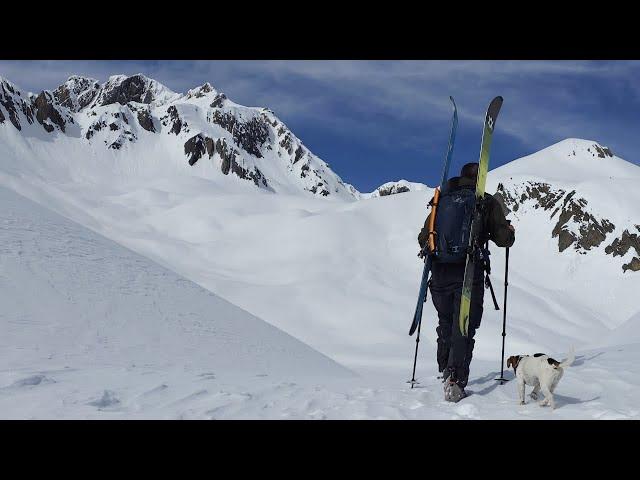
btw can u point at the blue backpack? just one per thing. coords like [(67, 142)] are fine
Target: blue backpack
[(453, 225)]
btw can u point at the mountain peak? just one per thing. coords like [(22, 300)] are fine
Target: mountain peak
[(137, 88), (576, 146), (77, 92), (571, 160), (201, 91)]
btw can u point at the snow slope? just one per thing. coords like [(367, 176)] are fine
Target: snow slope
[(598, 197), (342, 275), (113, 335), (77, 305)]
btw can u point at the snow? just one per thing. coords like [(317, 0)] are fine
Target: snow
[(340, 277), (412, 186), (80, 307), (594, 281)]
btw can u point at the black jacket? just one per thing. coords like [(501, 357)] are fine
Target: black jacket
[(495, 225)]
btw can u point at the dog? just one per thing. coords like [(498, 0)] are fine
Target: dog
[(541, 372)]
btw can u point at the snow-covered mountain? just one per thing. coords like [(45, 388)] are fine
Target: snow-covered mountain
[(393, 188), (113, 335), (581, 195), (89, 328), (337, 274), (141, 123)]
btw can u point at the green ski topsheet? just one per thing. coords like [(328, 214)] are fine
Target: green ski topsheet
[(483, 168)]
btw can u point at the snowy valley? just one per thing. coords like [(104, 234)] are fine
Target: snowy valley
[(262, 285)]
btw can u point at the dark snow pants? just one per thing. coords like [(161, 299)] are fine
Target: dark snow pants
[(455, 350)]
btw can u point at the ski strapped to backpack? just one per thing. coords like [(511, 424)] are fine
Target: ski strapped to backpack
[(422, 293), (476, 226)]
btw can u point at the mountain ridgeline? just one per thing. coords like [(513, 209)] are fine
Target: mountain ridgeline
[(203, 124), (578, 193)]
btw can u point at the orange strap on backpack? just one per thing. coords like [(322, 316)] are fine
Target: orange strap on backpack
[(431, 225)]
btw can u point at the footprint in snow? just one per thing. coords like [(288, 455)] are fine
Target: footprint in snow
[(32, 381), (109, 399)]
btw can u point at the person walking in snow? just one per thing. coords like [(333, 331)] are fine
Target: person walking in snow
[(454, 350)]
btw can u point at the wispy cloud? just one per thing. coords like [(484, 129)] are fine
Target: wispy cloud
[(391, 105)]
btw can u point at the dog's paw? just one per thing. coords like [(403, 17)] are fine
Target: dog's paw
[(543, 403), (534, 396), (522, 402)]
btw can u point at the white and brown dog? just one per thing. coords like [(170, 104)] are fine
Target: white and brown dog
[(539, 371)]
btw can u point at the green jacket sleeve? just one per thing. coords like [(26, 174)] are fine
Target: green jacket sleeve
[(497, 225)]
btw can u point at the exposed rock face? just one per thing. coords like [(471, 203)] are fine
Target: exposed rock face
[(299, 153), (620, 246), (286, 142), (592, 231), (574, 225), (218, 101), (227, 154), (145, 121), (392, 190), (76, 93), (319, 189), (174, 119), (196, 147), (132, 89), (6, 99), (95, 127), (229, 157), (603, 151), (633, 265), (587, 231), (45, 110), (112, 114), (200, 91), (249, 135)]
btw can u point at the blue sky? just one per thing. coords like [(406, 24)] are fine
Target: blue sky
[(377, 121)]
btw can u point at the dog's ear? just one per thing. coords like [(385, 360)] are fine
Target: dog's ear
[(510, 361), (513, 361)]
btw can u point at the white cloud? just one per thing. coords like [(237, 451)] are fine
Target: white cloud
[(368, 99)]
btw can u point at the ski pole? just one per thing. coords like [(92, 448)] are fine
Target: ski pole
[(415, 356), (504, 317)]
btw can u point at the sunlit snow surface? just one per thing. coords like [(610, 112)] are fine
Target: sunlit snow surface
[(92, 330)]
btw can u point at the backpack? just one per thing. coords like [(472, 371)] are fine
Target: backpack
[(453, 225)]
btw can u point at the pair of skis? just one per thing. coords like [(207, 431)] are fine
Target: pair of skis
[(483, 167)]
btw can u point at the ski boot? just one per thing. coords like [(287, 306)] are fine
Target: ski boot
[(452, 391)]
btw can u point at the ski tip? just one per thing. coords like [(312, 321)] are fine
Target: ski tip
[(493, 111)]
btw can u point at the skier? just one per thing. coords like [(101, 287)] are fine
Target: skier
[(454, 351)]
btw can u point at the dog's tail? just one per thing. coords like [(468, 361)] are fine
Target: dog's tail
[(569, 360)]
